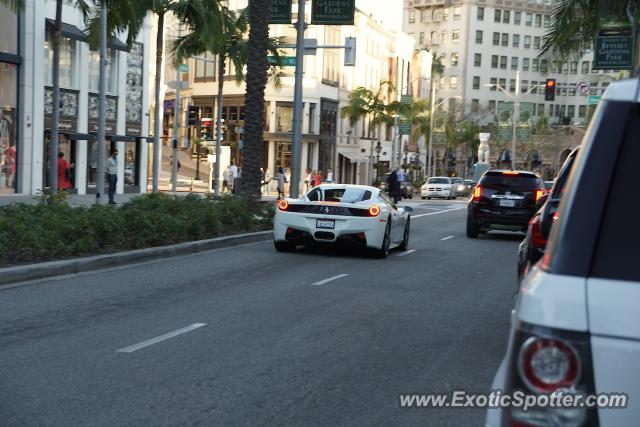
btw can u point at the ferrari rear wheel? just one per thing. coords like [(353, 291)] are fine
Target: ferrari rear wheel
[(405, 237), (284, 246), (383, 252)]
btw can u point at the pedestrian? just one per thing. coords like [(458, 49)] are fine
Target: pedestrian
[(317, 179), (392, 186), (112, 174), (226, 177), (307, 179), (64, 183), (401, 176), (281, 180), (267, 180), (329, 176)]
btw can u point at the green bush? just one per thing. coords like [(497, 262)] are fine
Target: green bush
[(54, 231)]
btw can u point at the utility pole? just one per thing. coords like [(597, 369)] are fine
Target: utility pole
[(515, 117), (101, 102), (176, 123), (294, 186), (431, 114)]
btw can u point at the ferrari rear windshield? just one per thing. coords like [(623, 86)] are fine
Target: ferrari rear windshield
[(346, 195)]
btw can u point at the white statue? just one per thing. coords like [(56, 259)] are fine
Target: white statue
[(483, 149)]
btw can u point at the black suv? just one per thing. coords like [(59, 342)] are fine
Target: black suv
[(503, 199)]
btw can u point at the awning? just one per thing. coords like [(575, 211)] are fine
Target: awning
[(116, 44), (80, 136), (355, 157), (125, 138), (70, 31)]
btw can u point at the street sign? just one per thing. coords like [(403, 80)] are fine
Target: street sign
[(594, 99), (332, 12), (614, 49), (405, 127), (183, 68), (583, 87), (174, 84), (285, 61), (280, 12)]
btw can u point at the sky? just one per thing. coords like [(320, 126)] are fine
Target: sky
[(387, 11)]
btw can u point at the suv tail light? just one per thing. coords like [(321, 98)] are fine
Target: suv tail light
[(477, 193), (539, 194), (535, 231), (543, 361)]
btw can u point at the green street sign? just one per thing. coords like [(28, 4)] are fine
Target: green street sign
[(594, 99), (285, 61), (406, 99), (333, 12), (405, 127), (438, 137), (183, 68), (280, 12), (614, 49)]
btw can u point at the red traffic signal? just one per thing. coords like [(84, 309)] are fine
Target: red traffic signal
[(550, 90)]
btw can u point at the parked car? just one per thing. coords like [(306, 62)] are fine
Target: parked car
[(503, 199), (532, 247), (437, 186), (576, 325)]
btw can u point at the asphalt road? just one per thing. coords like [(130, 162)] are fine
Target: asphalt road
[(263, 345)]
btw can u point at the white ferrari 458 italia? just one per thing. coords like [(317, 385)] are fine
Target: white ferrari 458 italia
[(362, 215)]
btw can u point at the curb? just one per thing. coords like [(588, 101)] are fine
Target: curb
[(42, 270)]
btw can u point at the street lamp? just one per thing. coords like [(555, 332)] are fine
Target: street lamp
[(378, 150), (516, 112), (430, 162)]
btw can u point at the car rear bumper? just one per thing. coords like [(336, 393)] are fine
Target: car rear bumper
[(501, 217), (435, 193)]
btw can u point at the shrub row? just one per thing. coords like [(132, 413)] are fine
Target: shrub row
[(46, 232)]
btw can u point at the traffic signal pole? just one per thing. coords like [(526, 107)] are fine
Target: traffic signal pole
[(294, 185)]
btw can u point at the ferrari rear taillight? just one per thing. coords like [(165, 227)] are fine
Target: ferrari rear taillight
[(477, 193), (374, 210), (535, 231)]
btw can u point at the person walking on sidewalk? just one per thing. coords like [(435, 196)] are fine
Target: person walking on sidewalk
[(317, 179), (64, 183), (112, 174), (281, 180)]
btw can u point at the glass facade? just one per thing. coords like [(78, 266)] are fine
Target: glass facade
[(8, 101)]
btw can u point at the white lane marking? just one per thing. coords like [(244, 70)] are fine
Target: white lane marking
[(160, 338), (322, 282), (406, 253), (435, 213), (447, 238)]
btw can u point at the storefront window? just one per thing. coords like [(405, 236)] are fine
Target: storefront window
[(8, 126), (8, 30), (67, 61), (94, 71)]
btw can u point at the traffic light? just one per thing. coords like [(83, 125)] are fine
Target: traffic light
[(205, 129), (193, 115), (550, 90)]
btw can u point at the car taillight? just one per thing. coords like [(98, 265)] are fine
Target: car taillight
[(537, 238), (477, 193), (548, 364), (546, 361), (374, 210), (283, 205), (539, 194)]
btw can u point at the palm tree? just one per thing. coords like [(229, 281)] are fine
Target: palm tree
[(257, 70), (233, 47)]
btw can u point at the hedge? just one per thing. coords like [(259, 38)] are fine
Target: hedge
[(44, 232)]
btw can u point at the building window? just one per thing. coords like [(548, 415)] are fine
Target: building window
[(496, 39), (445, 13), (528, 20), (111, 71), (524, 86), (512, 85), (328, 118), (8, 122), (434, 37), (574, 67), (423, 15), (205, 66), (443, 82), (538, 20), (534, 64), (284, 117), (453, 82), (480, 14), (540, 110), (565, 68), (525, 64), (475, 105), (476, 82), (454, 59), (503, 83), (497, 17), (534, 86), (514, 62), (492, 105), (527, 42), (477, 59), (582, 111), (517, 17), (412, 16), (506, 16), (515, 40), (331, 58), (505, 39), (421, 38), (479, 36), (494, 61), (67, 61), (547, 21), (536, 42), (572, 91), (544, 65), (503, 62), (456, 13), (455, 35), (494, 82), (8, 31), (445, 37)]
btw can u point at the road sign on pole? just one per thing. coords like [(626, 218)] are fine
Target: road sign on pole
[(280, 12), (594, 99), (333, 12), (285, 61), (614, 49)]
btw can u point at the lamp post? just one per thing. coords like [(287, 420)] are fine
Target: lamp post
[(378, 150)]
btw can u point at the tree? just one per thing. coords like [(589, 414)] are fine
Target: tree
[(233, 47), (257, 70)]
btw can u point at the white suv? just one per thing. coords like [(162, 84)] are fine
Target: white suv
[(576, 324), (438, 186)]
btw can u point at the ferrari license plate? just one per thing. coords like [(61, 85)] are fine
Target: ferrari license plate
[(326, 223), (507, 203)]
